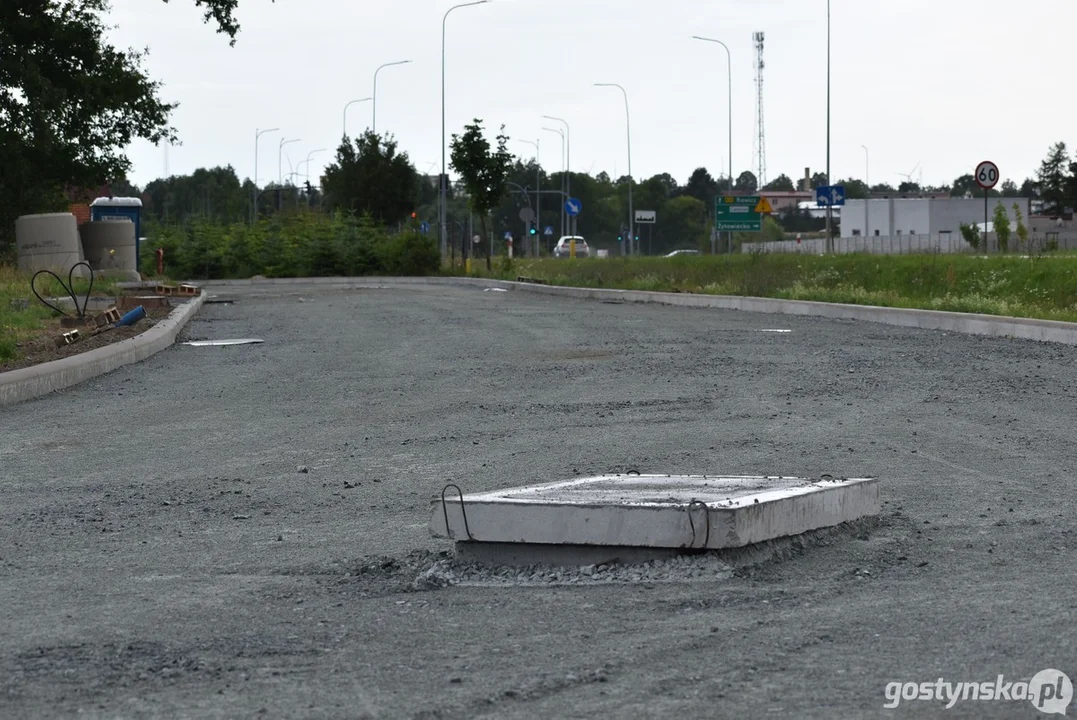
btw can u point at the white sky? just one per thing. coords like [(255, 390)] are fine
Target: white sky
[(941, 84)]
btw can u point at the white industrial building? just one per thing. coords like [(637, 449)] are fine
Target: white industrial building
[(892, 217)]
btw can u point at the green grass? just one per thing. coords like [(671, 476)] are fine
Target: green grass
[(1040, 286), (22, 316)]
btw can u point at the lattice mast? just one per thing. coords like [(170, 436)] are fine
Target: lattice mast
[(761, 139)]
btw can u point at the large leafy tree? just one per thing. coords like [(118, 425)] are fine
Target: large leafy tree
[(702, 186), (483, 169), (746, 182), (370, 177), (212, 193), (70, 101), (782, 183)]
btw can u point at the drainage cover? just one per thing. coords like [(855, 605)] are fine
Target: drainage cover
[(655, 511)]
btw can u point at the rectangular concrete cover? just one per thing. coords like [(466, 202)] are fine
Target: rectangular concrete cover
[(666, 511)]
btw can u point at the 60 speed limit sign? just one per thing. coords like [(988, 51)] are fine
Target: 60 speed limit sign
[(987, 175)]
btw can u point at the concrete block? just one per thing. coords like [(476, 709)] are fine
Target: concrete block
[(655, 511)]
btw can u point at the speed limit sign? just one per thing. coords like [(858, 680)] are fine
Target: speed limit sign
[(987, 175)]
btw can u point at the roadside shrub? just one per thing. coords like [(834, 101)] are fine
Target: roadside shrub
[(301, 244)]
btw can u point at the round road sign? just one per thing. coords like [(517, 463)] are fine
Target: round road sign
[(987, 175)]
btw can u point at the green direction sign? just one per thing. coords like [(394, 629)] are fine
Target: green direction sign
[(739, 213)]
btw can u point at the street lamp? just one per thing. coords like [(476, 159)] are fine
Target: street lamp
[(307, 161), (280, 155), (564, 174), (374, 119), (538, 196), (568, 162), (257, 134), (829, 205), (729, 104), (442, 216), (628, 128), (346, 106)]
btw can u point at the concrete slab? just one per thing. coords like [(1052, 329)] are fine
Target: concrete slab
[(654, 511)]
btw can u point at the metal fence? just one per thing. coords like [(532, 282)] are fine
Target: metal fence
[(942, 243)]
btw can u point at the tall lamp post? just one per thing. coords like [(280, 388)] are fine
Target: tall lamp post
[(729, 104), (628, 128), (443, 215), (829, 205), (564, 175), (280, 155), (374, 118), (308, 160), (280, 169), (534, 241), (867, 181), (568, 165), (347, 105), (257, 134)]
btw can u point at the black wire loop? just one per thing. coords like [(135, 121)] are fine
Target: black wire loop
[(69, 286)]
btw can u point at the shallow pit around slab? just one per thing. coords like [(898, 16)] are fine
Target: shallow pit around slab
[(683, 512)]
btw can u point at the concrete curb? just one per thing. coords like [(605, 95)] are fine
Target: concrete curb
[(38, 380), (966, 323)]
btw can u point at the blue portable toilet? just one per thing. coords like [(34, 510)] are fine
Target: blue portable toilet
[(117, 208)]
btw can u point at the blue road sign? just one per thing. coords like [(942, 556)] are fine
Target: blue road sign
[(573, 207), (424, 227), (548, 232), (833, 195)]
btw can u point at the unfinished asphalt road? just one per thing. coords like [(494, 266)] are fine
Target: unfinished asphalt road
[(162, 556)]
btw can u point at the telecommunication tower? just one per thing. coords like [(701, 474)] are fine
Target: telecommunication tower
[(760, 141)]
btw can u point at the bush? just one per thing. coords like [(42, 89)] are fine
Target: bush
[(295, 245), (971, 234)]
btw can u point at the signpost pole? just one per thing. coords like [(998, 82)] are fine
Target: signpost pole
[(987, 176)]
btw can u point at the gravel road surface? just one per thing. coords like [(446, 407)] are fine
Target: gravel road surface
[(242, 532)]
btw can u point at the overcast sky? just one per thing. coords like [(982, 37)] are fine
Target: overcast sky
[(931, 87)]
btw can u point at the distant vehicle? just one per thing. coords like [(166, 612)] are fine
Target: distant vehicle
[(561, 250), (677, 253)]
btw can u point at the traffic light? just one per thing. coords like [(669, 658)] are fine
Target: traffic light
[(532, 229), (620, 239)]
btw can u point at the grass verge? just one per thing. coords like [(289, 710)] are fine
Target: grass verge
[(23, 317), (1037, 286)]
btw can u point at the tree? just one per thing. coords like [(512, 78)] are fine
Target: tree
[(964, 186), (1009, 189), (971, 234), (1002, 227), (1053, 179), (855, 189), (484, 171), (883, 188), (370, 177), (746, 182), (1029, 189), (702, 186), (782, 183), (70, 102), (819, 180), (1022, 229), (683, 223)]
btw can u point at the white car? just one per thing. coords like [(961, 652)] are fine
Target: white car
[(678, 253), (561, 250)]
